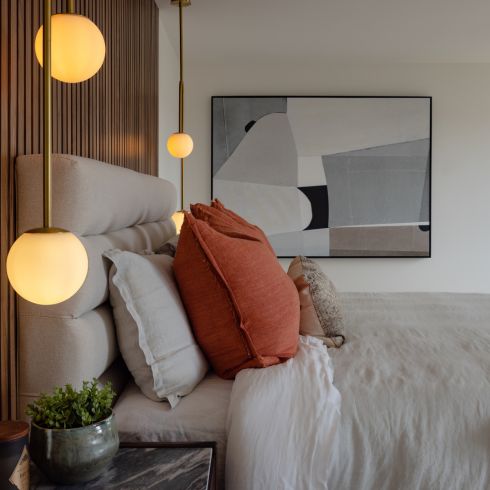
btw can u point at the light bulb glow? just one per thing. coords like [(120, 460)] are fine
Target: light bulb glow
[(47, 266), (178, 219), (180, 145), (77, 48)]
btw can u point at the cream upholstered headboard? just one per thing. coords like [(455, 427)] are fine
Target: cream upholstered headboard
[(107, 207)]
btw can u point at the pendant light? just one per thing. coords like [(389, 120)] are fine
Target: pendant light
[(180, 144), (77, 46), (47, 265)]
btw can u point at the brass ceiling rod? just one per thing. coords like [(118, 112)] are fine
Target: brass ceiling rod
[(181, 4), (47, 114)]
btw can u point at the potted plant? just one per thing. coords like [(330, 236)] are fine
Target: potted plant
[(73, 433)]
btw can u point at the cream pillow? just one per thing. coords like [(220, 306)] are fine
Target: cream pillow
[(320, 308), (153, 332)]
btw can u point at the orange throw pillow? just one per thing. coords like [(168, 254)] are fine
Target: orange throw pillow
[(243, 307), (228, 222)]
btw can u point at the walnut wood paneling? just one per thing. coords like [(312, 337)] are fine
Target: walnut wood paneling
[(111, 117)]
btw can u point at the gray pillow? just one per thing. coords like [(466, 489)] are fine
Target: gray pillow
[(321, 312), (169, 247), (153, 331)]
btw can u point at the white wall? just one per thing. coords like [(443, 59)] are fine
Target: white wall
[(461, 159), (168, 104)]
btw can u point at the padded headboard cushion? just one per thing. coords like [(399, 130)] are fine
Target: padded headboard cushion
[(91, 197), (107, 207)]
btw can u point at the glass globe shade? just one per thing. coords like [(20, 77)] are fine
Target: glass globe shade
[(47, 266), (180, 145), (178, 219), (77, 48)]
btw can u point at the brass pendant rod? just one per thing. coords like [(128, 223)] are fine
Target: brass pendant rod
[(182, 184), (181, 99), (47, 116), (181, 70), (71, 6)]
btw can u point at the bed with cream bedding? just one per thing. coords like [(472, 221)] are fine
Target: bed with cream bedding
[(414, 377)]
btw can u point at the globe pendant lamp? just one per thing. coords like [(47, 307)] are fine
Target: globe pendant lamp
[(180, 144), (77, 47), (47, 265)]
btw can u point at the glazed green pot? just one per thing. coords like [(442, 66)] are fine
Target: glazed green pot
[(74, 455)]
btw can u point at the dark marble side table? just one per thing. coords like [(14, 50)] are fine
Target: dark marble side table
[(159, 466)]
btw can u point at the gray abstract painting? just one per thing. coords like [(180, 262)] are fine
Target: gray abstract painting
[(327, 176)]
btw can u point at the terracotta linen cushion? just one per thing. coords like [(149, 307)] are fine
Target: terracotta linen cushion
[(321, 310), (243, 307), (228, 222)]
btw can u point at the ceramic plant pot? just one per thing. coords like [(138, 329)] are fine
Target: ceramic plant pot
[(74, 455)]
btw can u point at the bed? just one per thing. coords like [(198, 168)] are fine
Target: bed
[(414, 374)]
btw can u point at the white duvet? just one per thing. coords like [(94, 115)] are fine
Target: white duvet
[(414, 376), (282, 423)]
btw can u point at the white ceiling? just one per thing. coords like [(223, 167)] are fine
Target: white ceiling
[(268, 31)]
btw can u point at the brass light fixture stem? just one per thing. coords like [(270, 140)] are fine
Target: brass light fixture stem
[(47, 116), (71, 6), (181, 100), (181, 71), (182, 184), (181, 4)]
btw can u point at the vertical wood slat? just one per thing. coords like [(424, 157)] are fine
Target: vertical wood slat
[(13, 111), (112, 117), (4, 202)]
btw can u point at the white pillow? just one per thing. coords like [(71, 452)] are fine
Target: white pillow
[(154, 335)]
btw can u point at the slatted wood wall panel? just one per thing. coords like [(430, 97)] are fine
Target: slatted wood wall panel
[(111, 117)]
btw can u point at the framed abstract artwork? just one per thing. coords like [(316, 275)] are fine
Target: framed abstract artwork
[(327, 176)]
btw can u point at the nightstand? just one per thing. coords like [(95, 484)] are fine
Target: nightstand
[(160, 466)]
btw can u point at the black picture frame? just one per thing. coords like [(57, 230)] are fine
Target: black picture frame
[(427, 97)]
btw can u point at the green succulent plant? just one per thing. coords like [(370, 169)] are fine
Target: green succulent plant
[(67, 408)]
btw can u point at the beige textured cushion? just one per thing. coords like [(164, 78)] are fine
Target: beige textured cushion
[(95, 289), (91, 197), (321, 311), (153, 332), (56, 351)]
